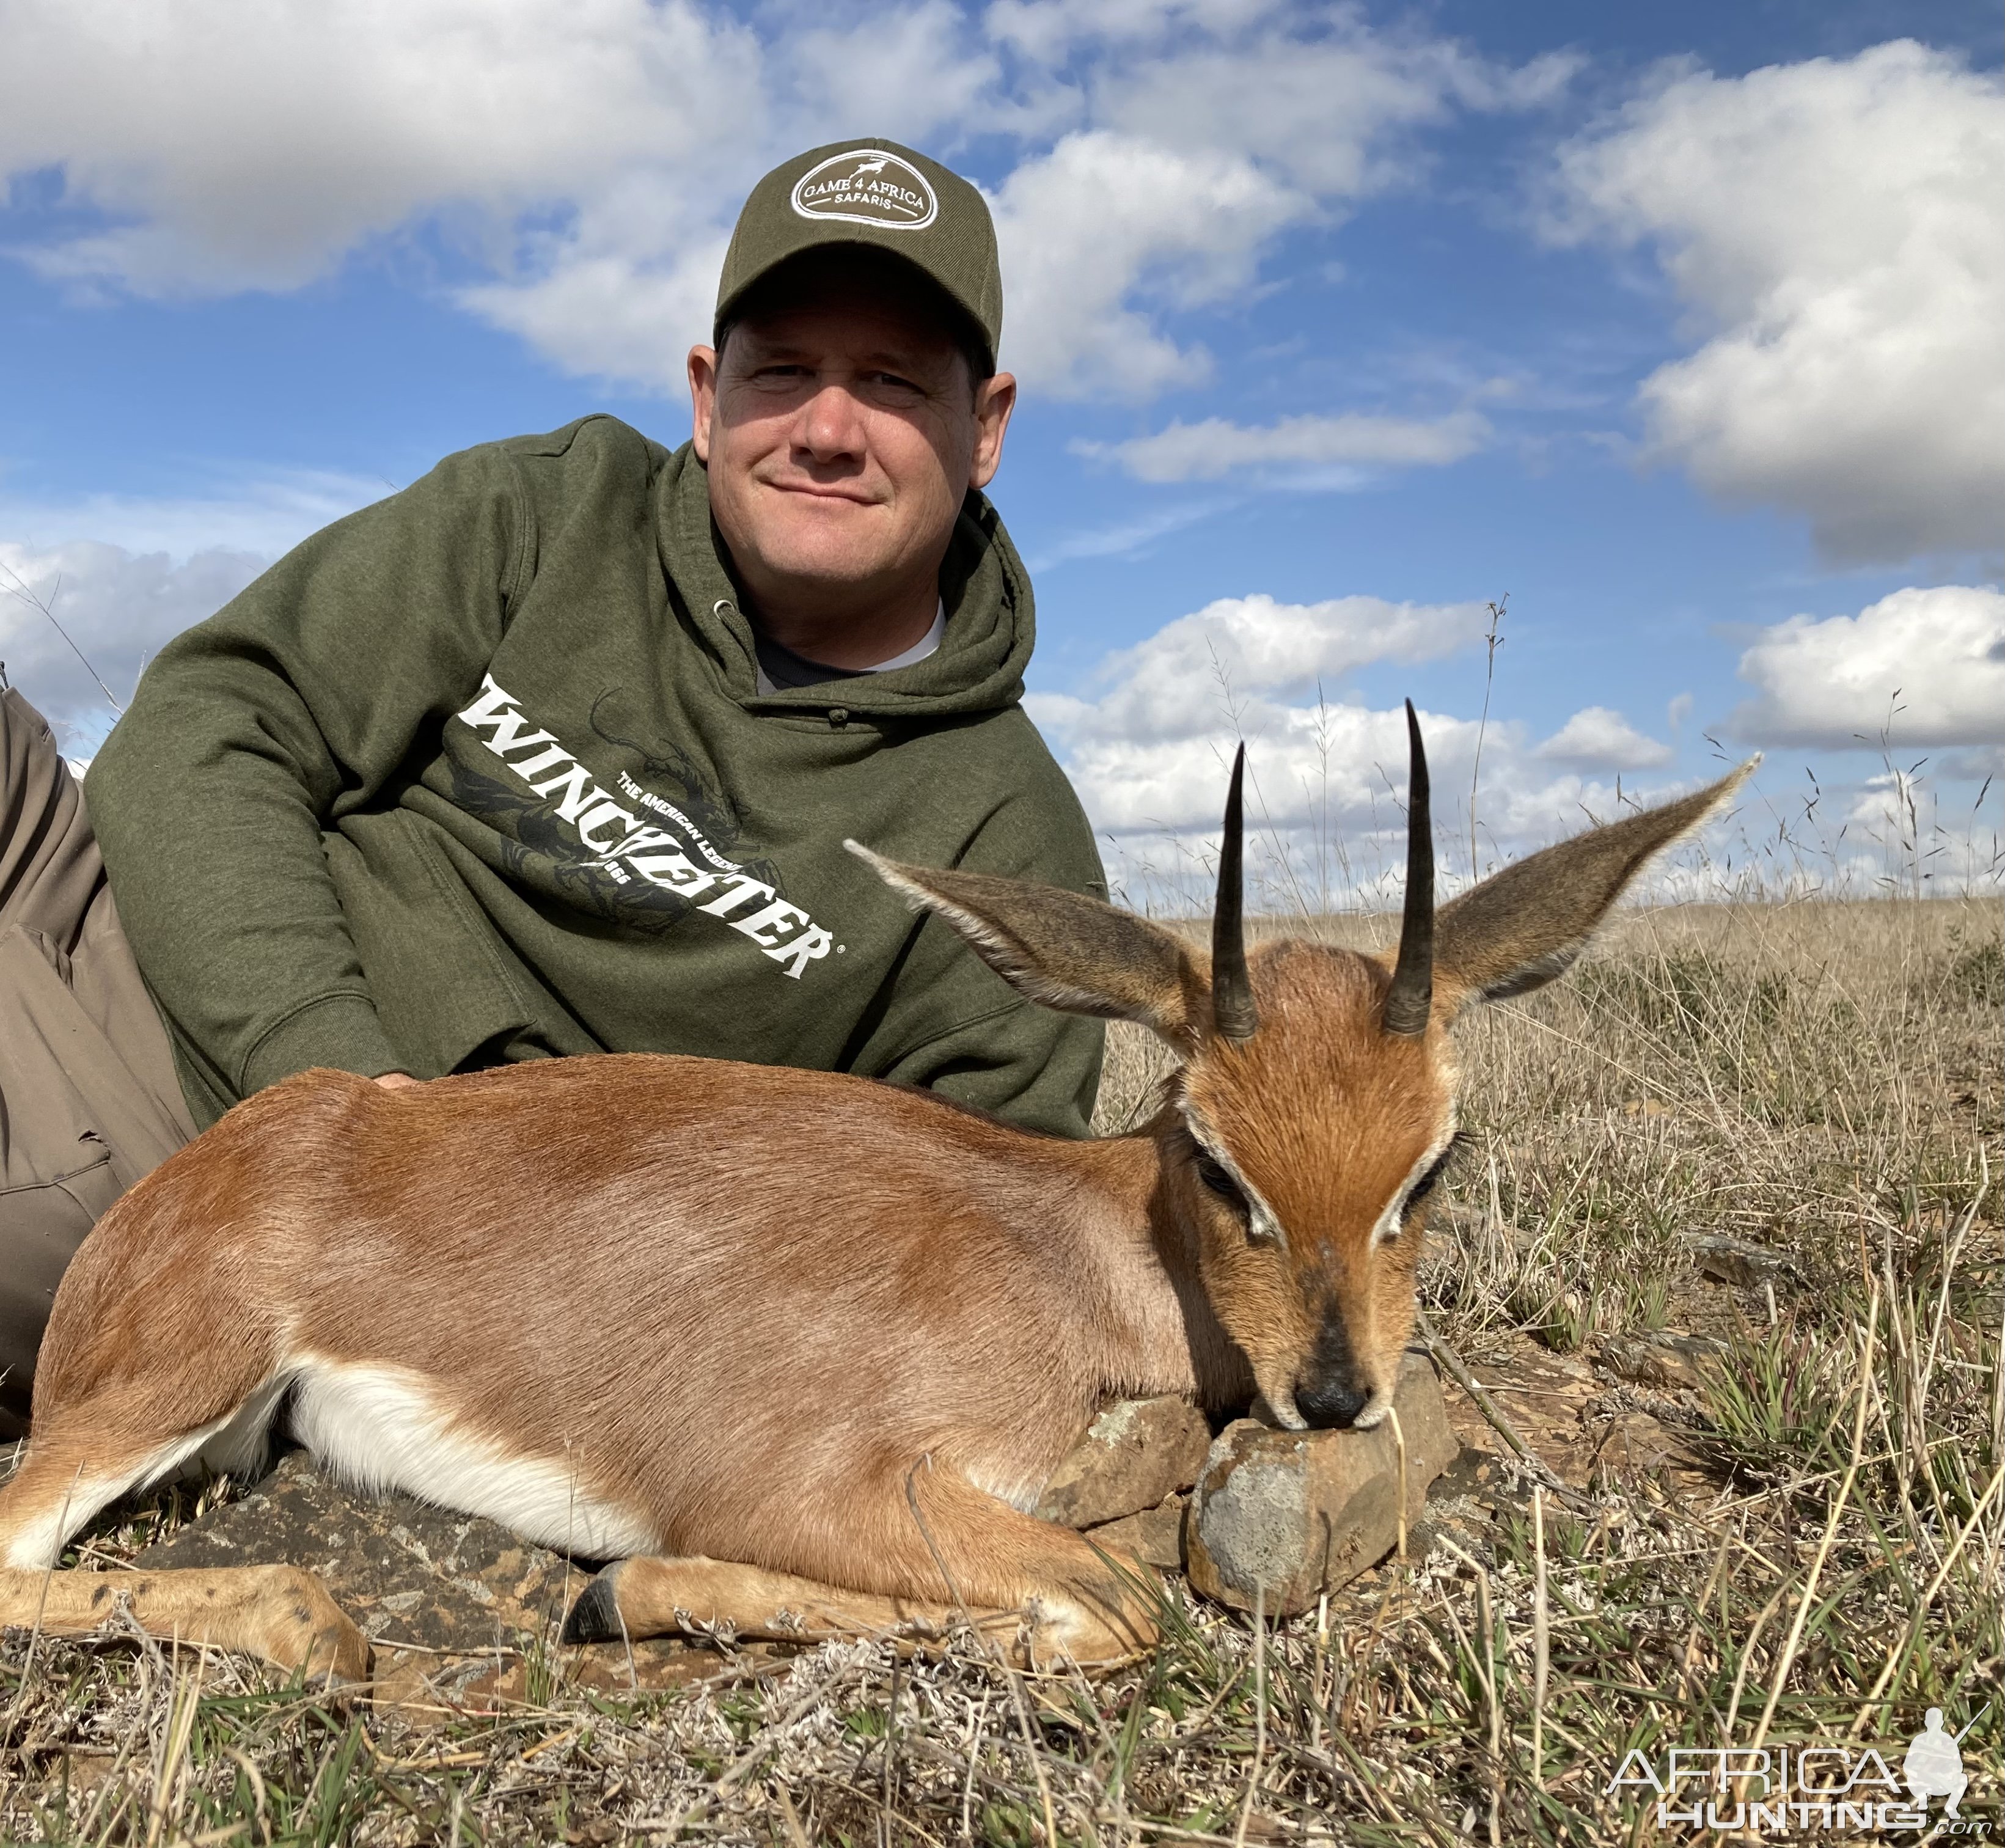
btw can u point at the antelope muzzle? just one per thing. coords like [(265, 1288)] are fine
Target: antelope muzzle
[(1333, 1388)]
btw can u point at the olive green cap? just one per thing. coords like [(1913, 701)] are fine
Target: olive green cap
[(878, 194)]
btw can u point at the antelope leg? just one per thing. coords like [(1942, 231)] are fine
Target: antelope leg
[(1040, 1590), (667, 1597), (280, 1613)]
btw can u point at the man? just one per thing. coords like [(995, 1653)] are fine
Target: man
[(555, 752)]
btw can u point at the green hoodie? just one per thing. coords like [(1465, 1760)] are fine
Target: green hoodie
[(481, 773)]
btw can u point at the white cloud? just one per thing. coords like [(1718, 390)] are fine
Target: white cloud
[(1330, 110), (116, 606), (1596, 738), (232, 149), (1833, 228), (1080, 226), (120, 575), (608, 313), (1242, 654), (1206, 451), (1895, 834), (1203, 130), (1148, 743), (265, 514), (1124, 538), (1341, 758), (1927, 666), (582, 160)]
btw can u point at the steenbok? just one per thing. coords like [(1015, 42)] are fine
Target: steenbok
[(797, 1351)]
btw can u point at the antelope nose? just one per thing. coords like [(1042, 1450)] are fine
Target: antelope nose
[(1332, 1403)]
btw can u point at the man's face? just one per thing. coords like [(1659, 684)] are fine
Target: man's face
[(841, 431)]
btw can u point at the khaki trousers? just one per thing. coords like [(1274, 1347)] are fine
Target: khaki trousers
[(89, 1101)]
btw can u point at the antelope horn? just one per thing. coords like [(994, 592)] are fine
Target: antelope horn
[(1410, 998), (1232, 1009)]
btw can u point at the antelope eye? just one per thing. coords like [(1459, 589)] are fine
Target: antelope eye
[(1212, 1171), (1428, 1182)]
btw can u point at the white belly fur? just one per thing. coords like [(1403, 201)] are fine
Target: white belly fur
[(377, 1426), (234, 1445)]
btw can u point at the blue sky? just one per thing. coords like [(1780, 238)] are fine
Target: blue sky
[(1677, 325)]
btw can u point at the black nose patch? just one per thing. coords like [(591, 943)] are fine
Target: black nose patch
[(1332, 1390)]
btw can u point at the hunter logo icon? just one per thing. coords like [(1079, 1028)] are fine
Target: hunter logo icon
[(868, 186), (1933, 1766)]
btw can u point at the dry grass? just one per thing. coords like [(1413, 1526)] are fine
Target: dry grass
[(1820, 1079)]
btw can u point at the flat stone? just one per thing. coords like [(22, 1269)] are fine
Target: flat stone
[(1739, 1262), (1635, 1442), (1137, 1452), (1299, 1513), (461, 1613), (1155, 1536), (1659, 1360)]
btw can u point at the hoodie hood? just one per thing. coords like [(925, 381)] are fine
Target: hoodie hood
[(978, 667)]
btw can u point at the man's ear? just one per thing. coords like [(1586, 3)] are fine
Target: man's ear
[(1526, 925), (995, 399), (703, 398), (1062, 949)]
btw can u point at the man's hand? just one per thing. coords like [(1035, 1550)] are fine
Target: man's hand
[(397, 1081)]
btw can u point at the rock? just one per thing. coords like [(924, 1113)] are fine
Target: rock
[(1155, 1536), (456, 1606), (1635, 1442), (408, 1572), (1303, 1512), (1739, 1262), (1135, 1453), (1659, 1360)]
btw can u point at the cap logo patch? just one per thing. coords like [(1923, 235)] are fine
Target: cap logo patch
[(868, 186)]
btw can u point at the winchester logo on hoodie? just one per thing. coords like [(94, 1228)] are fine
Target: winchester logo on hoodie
[(637, 839)]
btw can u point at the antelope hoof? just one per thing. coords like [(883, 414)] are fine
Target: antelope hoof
[(595, 1617), (1092, 1629), (307, 1630), (1085, 1642), (340, 1655)]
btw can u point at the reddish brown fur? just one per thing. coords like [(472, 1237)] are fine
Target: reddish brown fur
[(840, 1320), (1327, 1117), (788, 1348)]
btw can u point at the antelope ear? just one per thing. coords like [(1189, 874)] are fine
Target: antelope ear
[(1526, 925), (1062, 949)]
